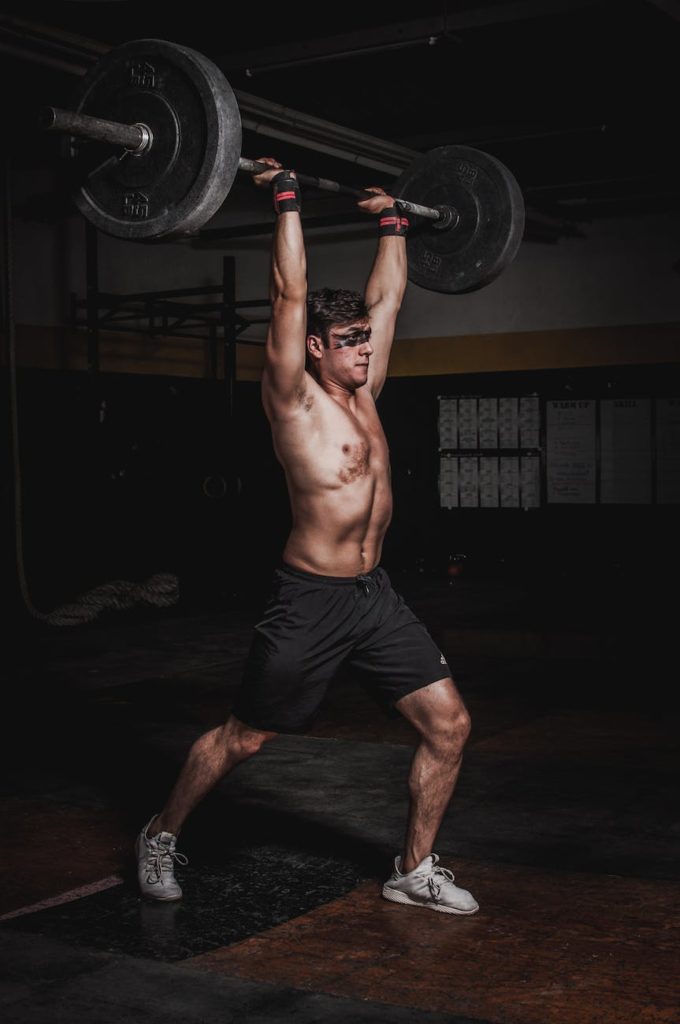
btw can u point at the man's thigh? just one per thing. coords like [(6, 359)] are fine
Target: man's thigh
[(399, 656), (435, 707), (295, 651)]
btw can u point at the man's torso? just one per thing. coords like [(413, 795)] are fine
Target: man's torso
[(336, 462)]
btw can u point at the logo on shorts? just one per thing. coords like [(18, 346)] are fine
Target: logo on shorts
[(442, 659)]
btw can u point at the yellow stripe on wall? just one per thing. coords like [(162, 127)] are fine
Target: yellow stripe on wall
[(536, 350), (55, 348)]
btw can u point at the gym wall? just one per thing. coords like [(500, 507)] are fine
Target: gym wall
[(123, 474)]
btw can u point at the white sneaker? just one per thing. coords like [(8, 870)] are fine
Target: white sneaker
[(155, 868), (429, 886)]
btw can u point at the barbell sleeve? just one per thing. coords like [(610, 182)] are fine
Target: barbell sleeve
[(133, 137)]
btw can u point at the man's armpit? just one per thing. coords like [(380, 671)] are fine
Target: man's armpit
[(303, 397)]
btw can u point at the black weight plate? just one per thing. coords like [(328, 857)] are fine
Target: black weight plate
[(180, 182), (491, 209)]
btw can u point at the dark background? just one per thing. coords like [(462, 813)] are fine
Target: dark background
[(578, 98)]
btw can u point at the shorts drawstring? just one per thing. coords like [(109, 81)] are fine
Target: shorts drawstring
[(365, 582)]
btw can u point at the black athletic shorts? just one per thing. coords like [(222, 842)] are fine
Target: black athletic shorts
[(312, 626)]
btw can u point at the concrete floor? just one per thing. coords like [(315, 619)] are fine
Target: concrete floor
[(564, 826)]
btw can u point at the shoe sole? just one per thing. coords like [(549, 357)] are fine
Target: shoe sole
[(395, 896), (150, 895)]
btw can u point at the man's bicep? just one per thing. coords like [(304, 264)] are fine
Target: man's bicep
[(286, 346), (383, 319)]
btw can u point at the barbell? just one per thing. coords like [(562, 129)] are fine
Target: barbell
[(175, 128)]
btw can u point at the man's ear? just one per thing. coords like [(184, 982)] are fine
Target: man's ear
[(314, 346)]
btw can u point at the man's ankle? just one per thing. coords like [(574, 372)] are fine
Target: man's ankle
[(156, 826), (410, 863)]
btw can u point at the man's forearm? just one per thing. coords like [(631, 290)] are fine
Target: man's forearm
[(289, 264), (387, 280)]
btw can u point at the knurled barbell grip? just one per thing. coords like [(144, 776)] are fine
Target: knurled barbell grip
[(133, 137), (444, 214)]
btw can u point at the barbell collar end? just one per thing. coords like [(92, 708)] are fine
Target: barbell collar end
[(146, 139), (47, 117), (448, 219)]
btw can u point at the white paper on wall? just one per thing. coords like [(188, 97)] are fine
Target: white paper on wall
[(488, 481), (448, 482), (448, 423), (530, 481), (469, 481), (467, 423), (529, 422), (571, 451), (488, 423), (508, 423), (509, 481)]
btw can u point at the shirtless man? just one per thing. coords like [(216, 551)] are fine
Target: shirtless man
[(331, 602)]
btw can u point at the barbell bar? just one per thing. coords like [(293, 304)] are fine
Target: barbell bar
[(176, 119), (137, 138)]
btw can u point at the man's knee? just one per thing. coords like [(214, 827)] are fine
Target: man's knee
[(439, 714), (246, 740), (449, 726), (450, 731), (463, 723)]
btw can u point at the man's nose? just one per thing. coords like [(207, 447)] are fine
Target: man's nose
[(367, 348)]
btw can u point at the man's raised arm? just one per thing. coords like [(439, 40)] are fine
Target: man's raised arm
[(285, 350), (386, 284)]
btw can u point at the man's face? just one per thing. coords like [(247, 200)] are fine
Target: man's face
[(346, 356)]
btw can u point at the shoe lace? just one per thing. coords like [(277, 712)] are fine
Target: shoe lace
[(439, 877), (159, 862)]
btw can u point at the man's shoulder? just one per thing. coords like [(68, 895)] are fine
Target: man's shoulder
[(366, 399)]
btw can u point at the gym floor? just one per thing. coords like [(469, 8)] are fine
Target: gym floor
[(564, 826)]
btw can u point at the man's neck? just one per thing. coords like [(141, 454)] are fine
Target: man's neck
[(346, 397)]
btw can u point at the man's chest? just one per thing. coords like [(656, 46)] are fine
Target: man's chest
[(333, 445)]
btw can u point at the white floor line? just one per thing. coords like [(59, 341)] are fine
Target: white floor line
[(66, 897)]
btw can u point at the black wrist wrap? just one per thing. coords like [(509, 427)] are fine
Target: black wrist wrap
[(393, 222), (286, 193)]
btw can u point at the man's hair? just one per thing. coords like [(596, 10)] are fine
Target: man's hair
[(329, 307)]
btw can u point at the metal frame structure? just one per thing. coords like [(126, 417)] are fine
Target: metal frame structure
[(170, 313)]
